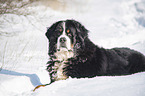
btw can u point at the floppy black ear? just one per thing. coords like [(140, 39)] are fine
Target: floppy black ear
[(47, 32), (51, 29), (82, 31)]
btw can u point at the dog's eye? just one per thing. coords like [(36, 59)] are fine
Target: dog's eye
[(68, 31), (60, 30)]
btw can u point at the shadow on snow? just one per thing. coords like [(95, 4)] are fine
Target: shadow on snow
[(33, 77)]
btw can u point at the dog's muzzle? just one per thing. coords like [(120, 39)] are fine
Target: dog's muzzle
[(63, 41)]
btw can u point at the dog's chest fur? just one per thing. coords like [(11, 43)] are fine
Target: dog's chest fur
[(62, 57)]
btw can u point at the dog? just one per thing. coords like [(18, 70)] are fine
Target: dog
[(72, 54)]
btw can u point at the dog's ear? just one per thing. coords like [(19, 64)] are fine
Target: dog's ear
[(51, 29), (82, 34), (47, 32), (82, 31)]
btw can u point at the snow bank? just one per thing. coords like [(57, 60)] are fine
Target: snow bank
[(132, 85)]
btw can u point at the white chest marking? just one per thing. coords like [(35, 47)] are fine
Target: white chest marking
[(62, 56)]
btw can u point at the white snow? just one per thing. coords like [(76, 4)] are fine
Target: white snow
[(24, 47)]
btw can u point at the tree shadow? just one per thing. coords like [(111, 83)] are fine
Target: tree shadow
[(33, 77)]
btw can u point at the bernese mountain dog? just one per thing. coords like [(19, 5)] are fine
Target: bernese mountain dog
[(72, 54)]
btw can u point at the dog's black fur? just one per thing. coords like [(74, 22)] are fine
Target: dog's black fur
[(89, 60)]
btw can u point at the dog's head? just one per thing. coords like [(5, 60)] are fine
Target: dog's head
[(68, 35)]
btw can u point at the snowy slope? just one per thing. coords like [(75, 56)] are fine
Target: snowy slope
[(100, 86), (23, 47)]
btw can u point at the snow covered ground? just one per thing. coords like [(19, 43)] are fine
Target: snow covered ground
[(23, 47)]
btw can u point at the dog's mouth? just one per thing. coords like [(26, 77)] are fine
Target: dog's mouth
[(63, 45), (64, 49)]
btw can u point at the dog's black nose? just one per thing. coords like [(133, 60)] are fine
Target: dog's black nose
[(62, 39)]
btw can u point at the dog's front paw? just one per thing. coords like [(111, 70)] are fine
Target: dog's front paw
[(70, 68)]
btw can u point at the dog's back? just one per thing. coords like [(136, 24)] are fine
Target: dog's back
[(123, 61)]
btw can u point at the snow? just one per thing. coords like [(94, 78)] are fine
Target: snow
[(98, 86), (24, 47)]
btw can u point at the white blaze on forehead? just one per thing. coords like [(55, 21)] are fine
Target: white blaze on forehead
[(68, 40), (63, 28)]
